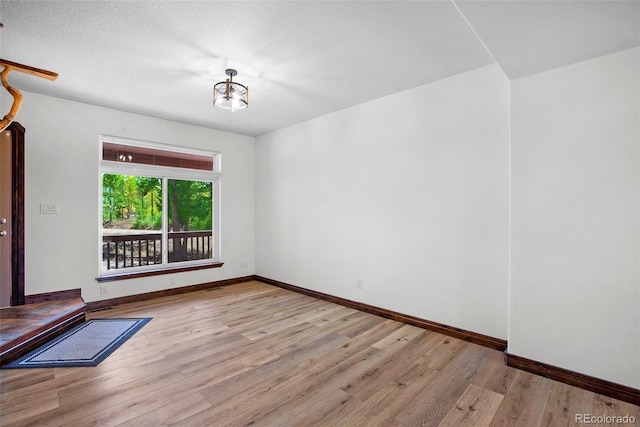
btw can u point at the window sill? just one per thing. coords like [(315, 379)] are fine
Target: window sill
[(148, 273)]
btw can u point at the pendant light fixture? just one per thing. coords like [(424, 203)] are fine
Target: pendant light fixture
[(229, 94)]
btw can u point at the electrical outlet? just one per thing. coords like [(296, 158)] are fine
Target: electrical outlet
[(103, 290), (359, 284)]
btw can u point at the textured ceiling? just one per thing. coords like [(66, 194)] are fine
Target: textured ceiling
[(300, 59)]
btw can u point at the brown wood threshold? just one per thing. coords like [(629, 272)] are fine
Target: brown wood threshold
[(22, 323), (107, 303), (158, 272), (473, 337), (587, 382), (53, 296), (42, 337)]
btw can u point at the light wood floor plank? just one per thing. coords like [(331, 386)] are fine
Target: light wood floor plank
[(327, 411), (28, 406), (495, 375), (429, 407), (523, 401), (476, 407), (564, 402), (89, 409), (19, 379), (394, 369), (170, 413), (232, 390), (383, 406)]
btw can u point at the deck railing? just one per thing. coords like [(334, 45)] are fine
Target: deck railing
[(134, 250)]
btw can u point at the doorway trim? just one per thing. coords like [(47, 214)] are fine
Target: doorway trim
[(17, 213)]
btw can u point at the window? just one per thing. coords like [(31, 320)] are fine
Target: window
[(160, 208)]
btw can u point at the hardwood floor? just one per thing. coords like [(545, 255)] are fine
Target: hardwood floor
[(254, 354)]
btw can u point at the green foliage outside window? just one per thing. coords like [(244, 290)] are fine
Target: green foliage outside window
[(139, 200), (189, 205)]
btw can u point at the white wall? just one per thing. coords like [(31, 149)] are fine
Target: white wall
[(62, 160), (575, 285), (408, 193)]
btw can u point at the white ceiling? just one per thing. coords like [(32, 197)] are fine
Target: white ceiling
[(300, 59)]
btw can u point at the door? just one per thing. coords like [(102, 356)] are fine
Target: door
[(12, 215), (5, 219)]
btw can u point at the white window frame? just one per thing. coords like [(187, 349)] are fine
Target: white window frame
[(165, 173)]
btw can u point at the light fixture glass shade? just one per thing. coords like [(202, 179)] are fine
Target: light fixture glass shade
[(231, 95)]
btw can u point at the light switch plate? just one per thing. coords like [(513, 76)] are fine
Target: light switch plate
[(48, 208)]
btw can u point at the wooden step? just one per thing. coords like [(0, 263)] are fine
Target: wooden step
[(26, 327)]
